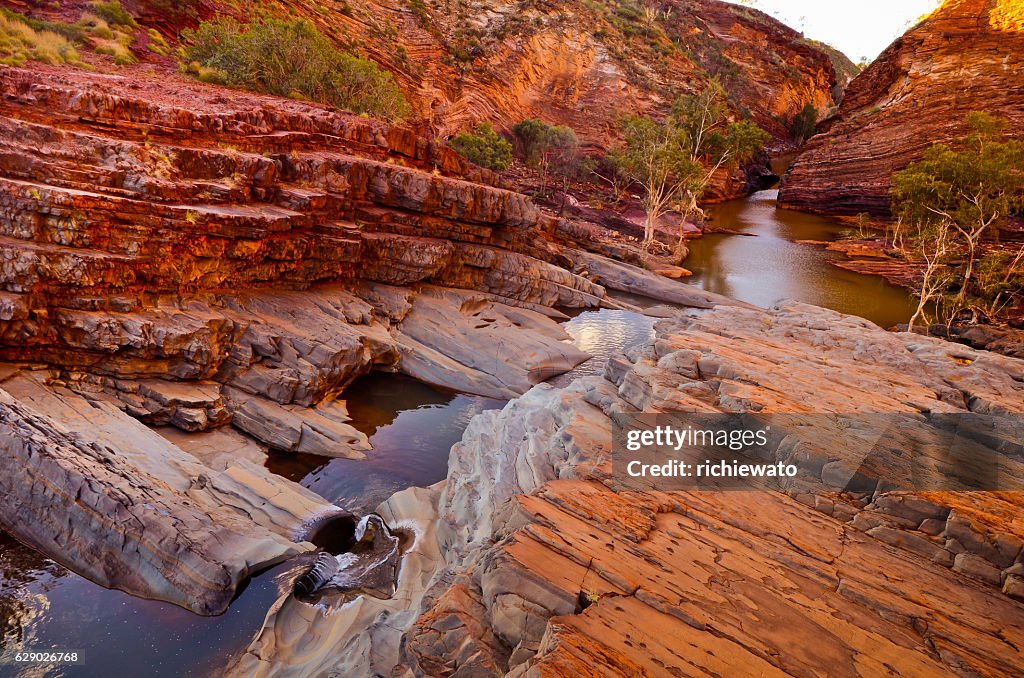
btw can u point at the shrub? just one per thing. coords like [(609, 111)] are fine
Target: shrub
[(967, 191), (485, 148), (532, 135), (20, 41), (117, 49), (292, 58), (213, 76), (114, 13), (804, 123), (553, 148), (157, 43), (72, 32)]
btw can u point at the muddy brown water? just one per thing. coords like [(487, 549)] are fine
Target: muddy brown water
[(769, 265), (412, 427)]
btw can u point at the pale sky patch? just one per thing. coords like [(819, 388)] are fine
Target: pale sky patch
[(858, 28)]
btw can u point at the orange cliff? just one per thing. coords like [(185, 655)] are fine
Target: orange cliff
[(569, 62), (967, 56)]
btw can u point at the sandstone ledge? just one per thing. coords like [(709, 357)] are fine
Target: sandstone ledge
[(548, 571)]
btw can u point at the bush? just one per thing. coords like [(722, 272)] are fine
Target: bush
[(543, 144), (532, 135), (485, 148), (550, 148), (20, 41), (804, 123), (157, 43), (293, 59), (114, 14), (968, 191)]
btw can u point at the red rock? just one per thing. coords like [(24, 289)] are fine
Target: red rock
[(966, 56)]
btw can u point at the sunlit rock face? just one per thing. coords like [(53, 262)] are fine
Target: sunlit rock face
[(163, 230), (566, 575), (530, 560), (174, 254), (967, 56), (578, 63)]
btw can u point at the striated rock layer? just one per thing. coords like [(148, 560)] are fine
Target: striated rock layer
[(967, 56), (573, 63), (153, 232), (544, 569), (191, 257), (104, 495)]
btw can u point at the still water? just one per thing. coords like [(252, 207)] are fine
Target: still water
[(769, 265), (43, 606), (411, 426)]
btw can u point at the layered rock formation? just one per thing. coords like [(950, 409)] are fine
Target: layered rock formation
[(570, 63), (154, 244), (190, 257), (142, 224), (966, 56), (104, 495), (545, 569)]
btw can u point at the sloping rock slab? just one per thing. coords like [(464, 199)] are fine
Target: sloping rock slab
[(100, 493)]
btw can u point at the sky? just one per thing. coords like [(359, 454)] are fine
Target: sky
[(861, 28)]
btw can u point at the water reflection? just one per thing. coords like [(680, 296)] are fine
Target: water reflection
[(769, 266), (411, 426), (602, 334), (44, 606)]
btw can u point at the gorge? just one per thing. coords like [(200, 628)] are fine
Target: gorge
[(247, 337)]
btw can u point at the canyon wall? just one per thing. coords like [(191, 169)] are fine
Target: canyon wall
[(967, 56), (224, 264), (174, 254), (571, 63)]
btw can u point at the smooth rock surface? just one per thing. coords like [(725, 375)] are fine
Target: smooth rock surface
[(549, 571), (103, 495)]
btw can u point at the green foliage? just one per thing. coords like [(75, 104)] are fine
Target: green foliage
[(980, 183), (419, 10), (532, 135), (804, 123), (72, 32), (485, 148), (292, 58), (550, 148), (675, 160), (22, 39), (118, 50), (1001, 279), (542, 144), (965, 192), (709, 136), (114, 14), (157, 43)]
